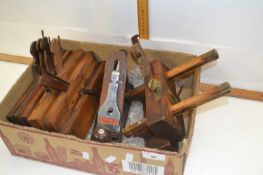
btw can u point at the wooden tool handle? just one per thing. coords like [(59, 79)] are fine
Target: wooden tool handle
[(136, 93), (140, 57), (213, 93), (53, 82), (236, 92), (192, 64)]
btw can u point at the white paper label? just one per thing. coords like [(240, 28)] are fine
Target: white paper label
[(142, 168), (85, 155), (153, 156), (129, 157), (110, 159)]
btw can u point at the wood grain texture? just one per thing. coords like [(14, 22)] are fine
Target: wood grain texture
[(16, 111), (15, 59), (182, 70), (85, 110), (236, 92), (57, 54), (206, 96), (65, 101), (195, 62), (37, 116), (159, 119)]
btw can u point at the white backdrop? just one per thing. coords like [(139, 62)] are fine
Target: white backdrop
[(234, 27)]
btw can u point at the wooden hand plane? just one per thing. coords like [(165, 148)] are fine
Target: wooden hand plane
[(64, 94), (44, 79), (163, 124), (110, 117)]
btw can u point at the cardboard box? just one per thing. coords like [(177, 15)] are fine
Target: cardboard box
[(99, 158)]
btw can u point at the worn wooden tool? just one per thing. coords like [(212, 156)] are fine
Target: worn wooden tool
[(57, 51), (49, 79), (18, 113), (163, 125), (38, 113), (206, 96), (79, 120), (49, 61), (61, 108), (159, 132), (26, 103), (178, 71), (36, 118), (65, 102), (110, 115), (44, 80), (64, 95)]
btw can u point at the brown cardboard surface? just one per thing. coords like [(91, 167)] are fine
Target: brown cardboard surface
[(15, 93), (69, 151)]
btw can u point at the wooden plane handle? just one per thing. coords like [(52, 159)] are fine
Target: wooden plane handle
[(236, 92), (194, 101), (140, 57), (195, 62), (135, 93)]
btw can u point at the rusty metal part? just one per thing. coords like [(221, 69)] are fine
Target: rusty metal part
[(236, 92), (102, 134), (91, 92)]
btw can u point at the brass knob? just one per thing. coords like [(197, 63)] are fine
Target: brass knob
[(154, 85)]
